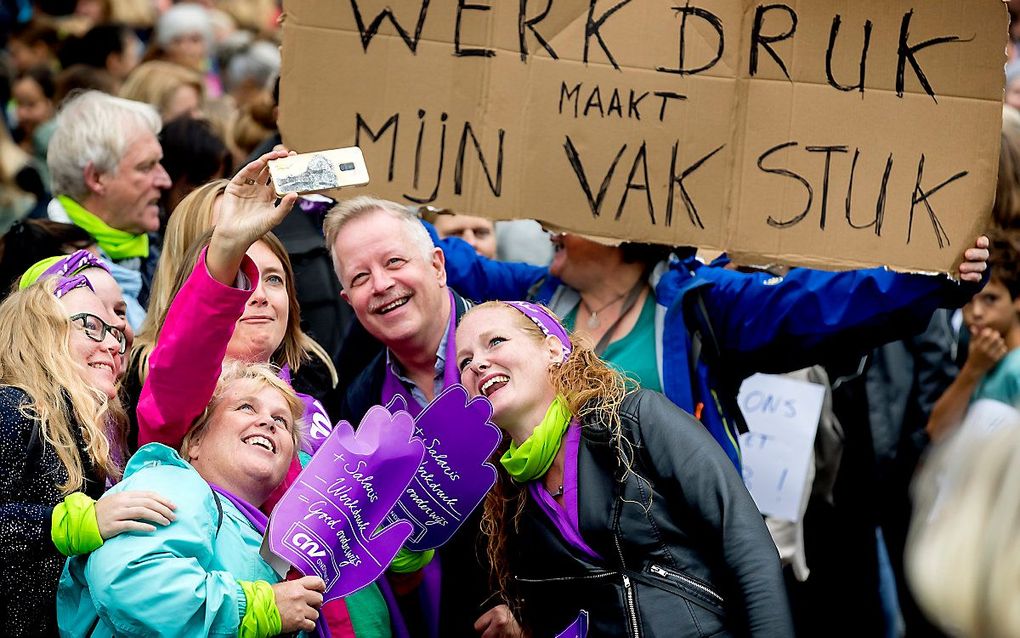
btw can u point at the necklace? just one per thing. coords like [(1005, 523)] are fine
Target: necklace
[(593, 315)]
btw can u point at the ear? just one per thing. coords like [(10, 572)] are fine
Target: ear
[(193, 448), (345, 296), (94, 179), (439, 264), (554, 349)]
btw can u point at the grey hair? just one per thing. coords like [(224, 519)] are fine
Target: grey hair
[(93, 127), (181, 19), (259, 63), (349, 210)]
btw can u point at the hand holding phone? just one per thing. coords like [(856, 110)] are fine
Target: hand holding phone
[(319, 171)]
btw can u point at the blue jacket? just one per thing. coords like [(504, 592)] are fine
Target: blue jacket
[(180, 580), (760, 323)]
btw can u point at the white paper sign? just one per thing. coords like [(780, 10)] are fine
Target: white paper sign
[(782, 416), (988, 415)]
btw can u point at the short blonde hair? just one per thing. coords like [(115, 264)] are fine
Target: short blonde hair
[(349, 210), (156, 82), (963, 550), (263, 375)]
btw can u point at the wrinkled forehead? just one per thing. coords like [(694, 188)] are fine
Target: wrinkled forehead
[(372, 236)]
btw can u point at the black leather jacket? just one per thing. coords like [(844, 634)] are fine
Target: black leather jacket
[(685, 551)]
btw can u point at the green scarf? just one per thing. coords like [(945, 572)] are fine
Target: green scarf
[(118, 244), (535, 456)]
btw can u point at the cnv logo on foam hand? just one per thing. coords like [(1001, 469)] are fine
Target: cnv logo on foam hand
[(303, 540)]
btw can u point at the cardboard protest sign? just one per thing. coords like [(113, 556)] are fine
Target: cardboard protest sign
[(782, 419), (822, 133), (329, 523), (454, 476)]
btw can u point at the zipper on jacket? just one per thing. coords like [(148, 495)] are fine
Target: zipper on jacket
[(558, 579), (628, 590), (668, 574)]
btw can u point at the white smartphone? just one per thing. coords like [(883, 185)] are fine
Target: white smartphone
[(319, 171)]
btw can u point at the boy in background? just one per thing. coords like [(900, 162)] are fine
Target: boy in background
[(992, 370)]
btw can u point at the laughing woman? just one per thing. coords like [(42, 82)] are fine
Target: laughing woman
[(611, 501)]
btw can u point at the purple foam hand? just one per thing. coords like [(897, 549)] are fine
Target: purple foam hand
[(329, 521), (455, 474)]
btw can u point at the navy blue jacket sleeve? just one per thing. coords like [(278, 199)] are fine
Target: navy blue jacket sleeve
[(482, 279), (771, 324)]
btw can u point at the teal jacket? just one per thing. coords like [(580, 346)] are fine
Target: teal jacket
[(180, 580)]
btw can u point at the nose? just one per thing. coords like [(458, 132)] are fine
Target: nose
[(258, 296), (162, 179), (381, 281), (267, 421)]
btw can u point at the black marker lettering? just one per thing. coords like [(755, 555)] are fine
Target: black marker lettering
[(592, 28), (828, 150), (572, 93), (920, 196), (678, 180), (906, 53), (714, 21), (462, 6), (595, 100), (529, 23), (634, 103), (833, 34), (766, 41), (367, 33), (642, 158), (394, 121), (614, 104), (883, 192), (439, 171), (594, 202), (496, 186), (786, 173), (666, 96)]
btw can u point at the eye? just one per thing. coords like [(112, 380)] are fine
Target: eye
[(359, 279), (282, 422), (495, 341), (274, 280), (395, 261), (463, 363), (246, 407), (482, 233)]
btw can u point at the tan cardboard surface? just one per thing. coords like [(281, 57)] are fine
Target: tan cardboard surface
[(613, 143)]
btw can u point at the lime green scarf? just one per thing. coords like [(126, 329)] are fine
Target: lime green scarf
[(535, 456), (118, 244)]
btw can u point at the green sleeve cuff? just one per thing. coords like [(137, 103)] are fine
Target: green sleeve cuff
[(407, 561), (74, 527), (261, 617)]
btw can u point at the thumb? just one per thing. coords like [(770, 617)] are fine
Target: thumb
[(313, 583), (387, 541)]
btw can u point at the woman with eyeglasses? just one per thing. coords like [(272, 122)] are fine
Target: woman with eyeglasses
[(61, 354)]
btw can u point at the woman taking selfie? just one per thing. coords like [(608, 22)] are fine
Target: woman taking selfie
[(611, 501)]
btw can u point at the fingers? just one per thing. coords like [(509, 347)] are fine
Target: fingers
[(133, 526), (254, 170), (313, 583), (982, 242)]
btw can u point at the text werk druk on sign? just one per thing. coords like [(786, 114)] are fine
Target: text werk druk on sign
[(818, 133)]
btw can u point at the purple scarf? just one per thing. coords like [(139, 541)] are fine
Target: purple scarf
[(257, 519), (565, 518)]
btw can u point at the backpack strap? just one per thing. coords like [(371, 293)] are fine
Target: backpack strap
[(219, 512)]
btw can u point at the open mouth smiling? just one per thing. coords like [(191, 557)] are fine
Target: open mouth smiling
[(492, 384), (259, 440), (393, 305)]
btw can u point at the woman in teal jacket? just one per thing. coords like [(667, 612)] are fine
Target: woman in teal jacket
[(201, 575)]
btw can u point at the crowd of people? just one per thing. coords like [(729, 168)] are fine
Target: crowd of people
[(176, 342)]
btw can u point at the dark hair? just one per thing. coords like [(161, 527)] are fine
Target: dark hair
[(82, 77), (192, 151), (34, 239), (93, 48), (1004, 259), (35, 32), (43, 76), (645, 254), (1006, 208)]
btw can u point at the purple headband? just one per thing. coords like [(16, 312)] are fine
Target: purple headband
[(546, 322), (67, 284), (73, 264)]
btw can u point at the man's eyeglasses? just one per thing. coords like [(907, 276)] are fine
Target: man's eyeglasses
[(96, 329)]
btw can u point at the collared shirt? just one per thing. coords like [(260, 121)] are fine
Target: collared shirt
[(437, 378)]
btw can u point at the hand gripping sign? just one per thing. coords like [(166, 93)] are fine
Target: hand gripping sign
[(455, 474), (330, 521)]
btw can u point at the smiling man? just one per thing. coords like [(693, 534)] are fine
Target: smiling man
[(395, 280), (104, 161)]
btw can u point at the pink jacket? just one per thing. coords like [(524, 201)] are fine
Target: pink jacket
[(183, 371)]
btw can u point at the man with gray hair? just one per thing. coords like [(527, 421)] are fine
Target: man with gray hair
[(395, 279), (104, 165)]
